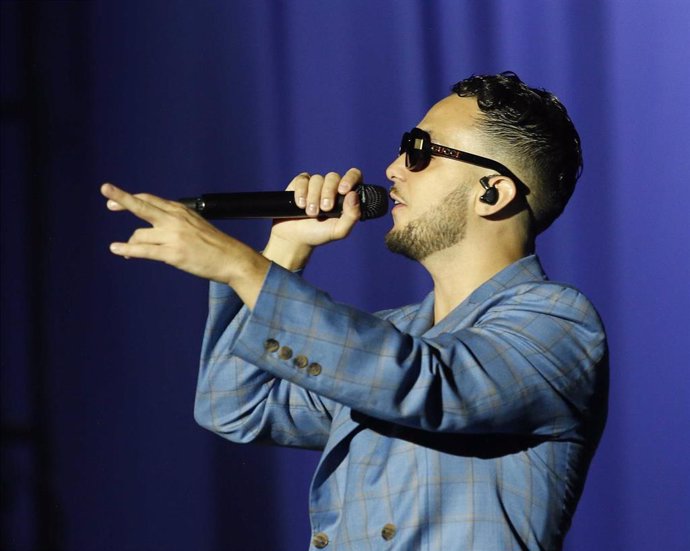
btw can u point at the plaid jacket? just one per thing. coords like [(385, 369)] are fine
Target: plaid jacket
[(472, 434)]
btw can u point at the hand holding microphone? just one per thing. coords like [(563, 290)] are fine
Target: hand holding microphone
[(334, 205)]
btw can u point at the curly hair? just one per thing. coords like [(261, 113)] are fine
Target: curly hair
[(532, 129)]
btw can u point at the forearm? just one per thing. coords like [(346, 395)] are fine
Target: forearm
[(247, 272), (488, 378), (237, 400)]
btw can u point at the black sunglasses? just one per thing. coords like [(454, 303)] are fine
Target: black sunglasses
[(418, 149)]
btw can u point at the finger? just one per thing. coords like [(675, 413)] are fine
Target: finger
[(159, 202), (314, 194), (350, 180), (352, 212), (151, 236), (139, 250), (114, 206), (127, 201), (329, 190), (299, 185), (163, 204)]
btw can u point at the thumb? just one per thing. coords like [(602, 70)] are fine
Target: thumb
[(352, 212)]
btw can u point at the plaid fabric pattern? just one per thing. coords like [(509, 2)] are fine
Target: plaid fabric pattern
[(473, 434)]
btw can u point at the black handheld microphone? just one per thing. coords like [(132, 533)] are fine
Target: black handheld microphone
[(280, 204)]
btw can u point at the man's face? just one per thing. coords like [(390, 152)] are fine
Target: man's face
[(434, 203)]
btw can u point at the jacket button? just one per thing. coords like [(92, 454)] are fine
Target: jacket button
[(300, 361), (314, 369), (388, 532), (285, 353), (271, 345), (320, 540)]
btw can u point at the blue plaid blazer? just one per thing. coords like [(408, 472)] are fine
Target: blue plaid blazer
[(472, 434)]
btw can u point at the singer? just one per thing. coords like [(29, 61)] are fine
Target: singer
[(467, 421)]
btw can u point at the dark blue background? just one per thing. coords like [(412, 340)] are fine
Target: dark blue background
[(99, 355)]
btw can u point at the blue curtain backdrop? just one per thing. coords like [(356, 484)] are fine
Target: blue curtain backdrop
[(99, 355)]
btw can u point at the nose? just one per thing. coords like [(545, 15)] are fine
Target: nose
[(396, 170)]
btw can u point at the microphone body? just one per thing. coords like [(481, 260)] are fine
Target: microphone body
[(280, 204)]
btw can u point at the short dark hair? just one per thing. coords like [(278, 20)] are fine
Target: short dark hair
[(531, 127)]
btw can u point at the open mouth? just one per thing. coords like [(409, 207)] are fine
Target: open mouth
[(396, 199)]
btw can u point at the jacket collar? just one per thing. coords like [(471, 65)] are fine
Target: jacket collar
[(524, 270)]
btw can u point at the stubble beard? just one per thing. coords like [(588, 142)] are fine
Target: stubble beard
[(439, 228)]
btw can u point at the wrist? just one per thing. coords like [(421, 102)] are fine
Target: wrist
[(247, 275), (291, 256)]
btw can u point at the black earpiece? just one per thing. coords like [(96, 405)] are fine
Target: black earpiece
[(490, 196)]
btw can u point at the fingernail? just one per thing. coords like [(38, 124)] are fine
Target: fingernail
[(114, 247), (301, 201), (325, 203), (342, 187), (111, 204), (312, 209)]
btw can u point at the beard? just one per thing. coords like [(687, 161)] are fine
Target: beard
[(442, 226)]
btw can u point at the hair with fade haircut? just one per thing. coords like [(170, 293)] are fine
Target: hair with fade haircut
[(531, 127)]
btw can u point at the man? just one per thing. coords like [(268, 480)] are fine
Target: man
[(465, 422)]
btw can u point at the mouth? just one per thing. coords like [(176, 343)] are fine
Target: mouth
[(397, 201)]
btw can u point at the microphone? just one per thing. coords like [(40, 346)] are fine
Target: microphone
[(280, 204)]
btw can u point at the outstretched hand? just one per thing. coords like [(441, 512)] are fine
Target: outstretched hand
[(183, 239)]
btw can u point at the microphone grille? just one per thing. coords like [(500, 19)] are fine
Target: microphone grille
[(373, 200)]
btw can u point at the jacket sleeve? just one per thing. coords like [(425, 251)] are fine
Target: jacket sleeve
[(243, 403), (533, 363)]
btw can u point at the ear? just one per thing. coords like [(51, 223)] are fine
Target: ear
[(503, 189)]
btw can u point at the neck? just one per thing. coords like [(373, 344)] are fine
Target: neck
[(458, 270)]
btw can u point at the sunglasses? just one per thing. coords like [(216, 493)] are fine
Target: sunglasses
[(418, 149)]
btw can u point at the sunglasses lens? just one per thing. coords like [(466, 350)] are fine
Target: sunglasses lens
[(415, 158), (404, 143), (416, 155)]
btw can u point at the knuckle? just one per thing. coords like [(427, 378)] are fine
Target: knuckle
[(301, 178), (340, 232), (315, 185), (175, 256), (144, 197), (300, 181), (177, 235), (181, 217)]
